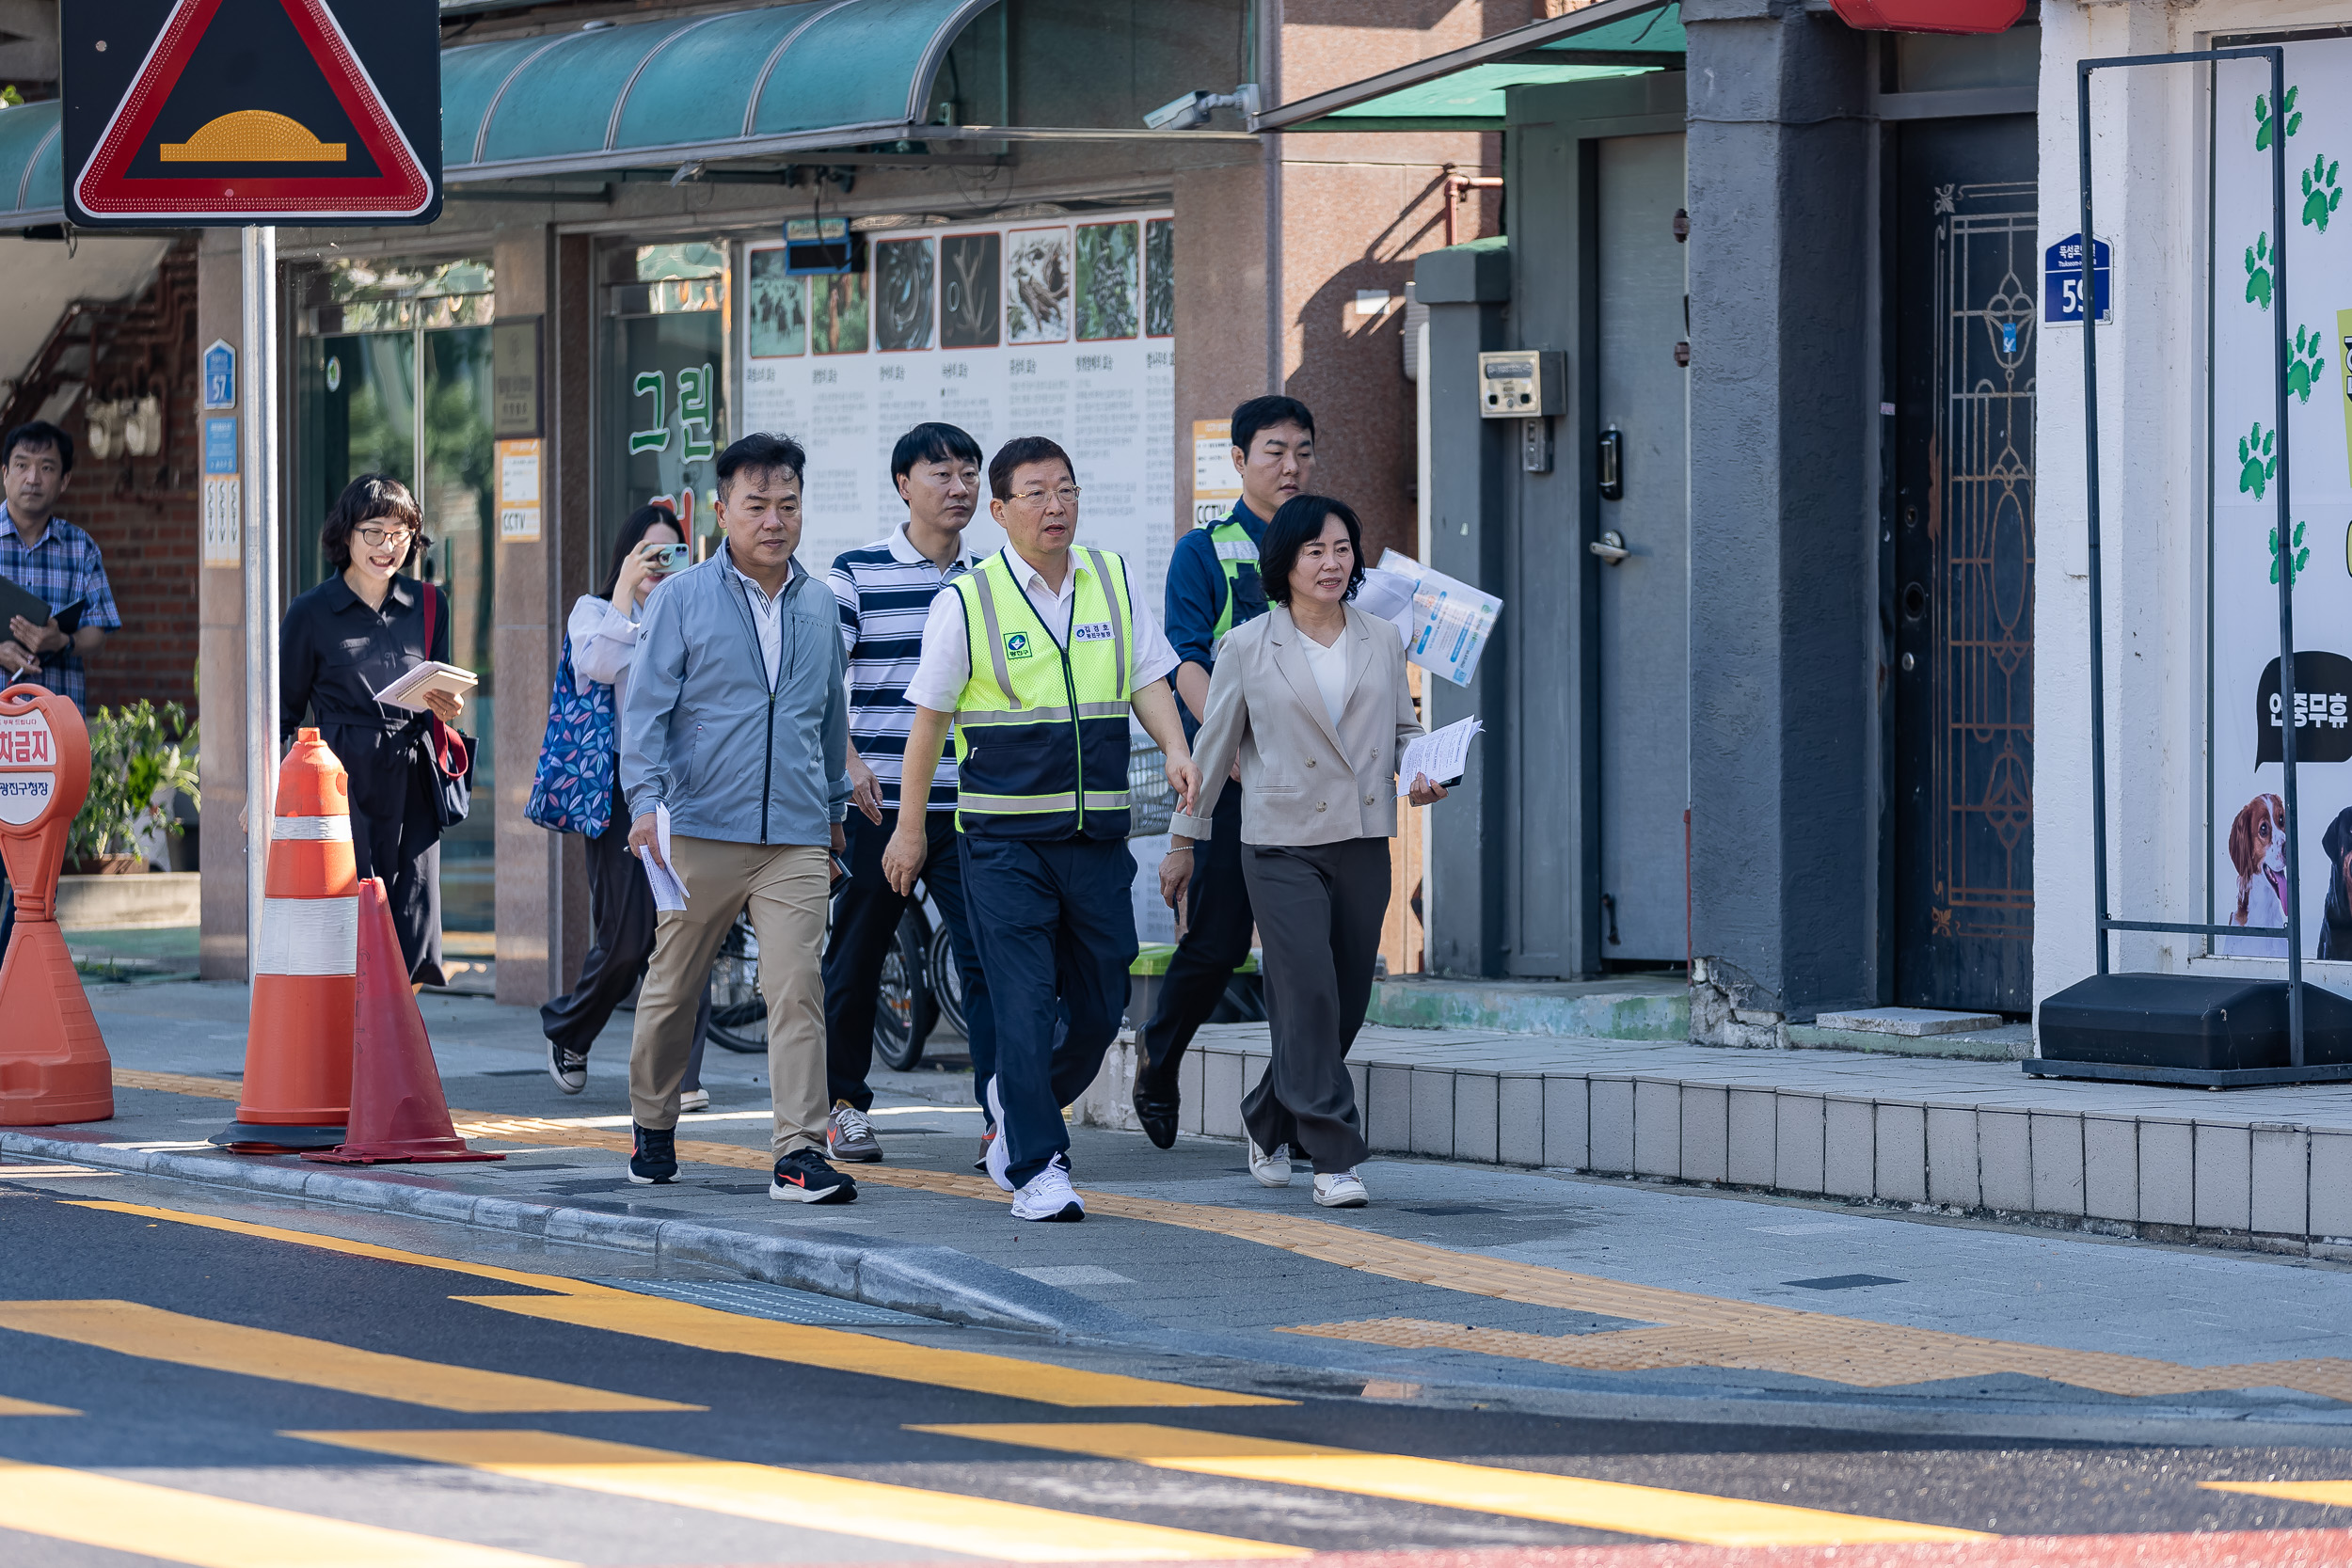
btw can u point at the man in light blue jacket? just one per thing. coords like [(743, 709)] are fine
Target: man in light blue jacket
[(738, 726)]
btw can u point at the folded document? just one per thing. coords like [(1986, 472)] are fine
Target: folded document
[(668, 891), (1439, 756)]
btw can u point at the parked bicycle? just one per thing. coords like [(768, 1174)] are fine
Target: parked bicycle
[(922, 987)]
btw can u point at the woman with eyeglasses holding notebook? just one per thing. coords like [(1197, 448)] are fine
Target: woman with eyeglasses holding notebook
[(342, 642), (1312, 698)]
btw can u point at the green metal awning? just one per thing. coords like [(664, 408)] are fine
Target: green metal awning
[(1463, 90), (768, 80), (825, 73)]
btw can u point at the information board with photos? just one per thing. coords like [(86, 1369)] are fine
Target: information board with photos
[(1063, 328)]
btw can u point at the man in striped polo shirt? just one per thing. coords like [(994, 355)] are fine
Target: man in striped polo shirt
[(885, 591)]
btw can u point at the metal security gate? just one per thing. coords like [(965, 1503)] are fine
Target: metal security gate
[(1967, 321)]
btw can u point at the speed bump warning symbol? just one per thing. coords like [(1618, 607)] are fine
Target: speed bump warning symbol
[(221, 113)]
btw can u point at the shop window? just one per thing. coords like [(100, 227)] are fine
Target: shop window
[(663, 410), (1950, 62)]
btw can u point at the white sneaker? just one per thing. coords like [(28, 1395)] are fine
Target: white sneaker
[(1272, 1168), (999, 1156), (1340, 1189), (1049, 1195), (694, 1100)]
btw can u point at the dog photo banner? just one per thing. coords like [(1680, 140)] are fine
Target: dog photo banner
[(1063, 327), (2247, 807)]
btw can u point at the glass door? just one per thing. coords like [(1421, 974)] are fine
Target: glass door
[(392, 376)]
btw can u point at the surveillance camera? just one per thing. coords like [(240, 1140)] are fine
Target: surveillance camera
[(1187, 113), (1191, 112)]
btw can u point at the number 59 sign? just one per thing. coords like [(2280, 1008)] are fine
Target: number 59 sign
[(2062, 280)]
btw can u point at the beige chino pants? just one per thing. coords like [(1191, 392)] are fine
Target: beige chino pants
[(785, 886)]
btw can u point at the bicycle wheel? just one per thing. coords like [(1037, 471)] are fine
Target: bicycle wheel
[(899, 1021), (946, 978), (738, 1014)]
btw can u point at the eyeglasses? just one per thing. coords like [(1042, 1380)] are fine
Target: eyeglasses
[(1033, 500), (376, 538)]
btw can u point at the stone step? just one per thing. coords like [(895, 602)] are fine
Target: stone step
[(1623, 1006), (2251, 1168)]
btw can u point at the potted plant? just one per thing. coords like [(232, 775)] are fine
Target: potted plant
[(139, 757)]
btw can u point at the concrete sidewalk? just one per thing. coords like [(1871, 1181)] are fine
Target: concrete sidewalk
[(1468, 1282)]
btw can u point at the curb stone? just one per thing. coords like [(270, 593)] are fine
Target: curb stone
[(928, 1280)]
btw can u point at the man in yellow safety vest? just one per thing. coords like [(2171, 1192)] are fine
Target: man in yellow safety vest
[(1039, 656)]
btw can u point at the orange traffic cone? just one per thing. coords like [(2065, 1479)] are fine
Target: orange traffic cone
[(297, 1048), (53, 1065), (397, 1109)]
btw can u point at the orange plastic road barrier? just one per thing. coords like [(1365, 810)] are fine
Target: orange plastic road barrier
[(53, 1065), (398, 1112), (297, 1048)]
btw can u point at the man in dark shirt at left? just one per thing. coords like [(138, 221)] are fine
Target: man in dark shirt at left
[(55, 563), (51, 559)]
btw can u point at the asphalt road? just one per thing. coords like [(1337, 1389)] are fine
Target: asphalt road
[(197, 1382)]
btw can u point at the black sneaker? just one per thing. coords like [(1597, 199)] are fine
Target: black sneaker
[(656, 1159), (803, 1177), (569, 1068)]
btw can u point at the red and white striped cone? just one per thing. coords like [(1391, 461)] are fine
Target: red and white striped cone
[(298, 1049)]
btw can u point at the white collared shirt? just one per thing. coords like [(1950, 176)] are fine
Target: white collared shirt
[(946, 663), (767, 613)]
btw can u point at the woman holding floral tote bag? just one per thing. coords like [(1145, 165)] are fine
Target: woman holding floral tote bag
[(577, 791)]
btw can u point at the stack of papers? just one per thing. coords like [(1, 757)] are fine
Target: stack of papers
[(1439, 756), (1447, 624), (668, 891), (409, 690)]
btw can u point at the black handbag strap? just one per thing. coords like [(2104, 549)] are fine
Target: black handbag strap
[(442, 743)]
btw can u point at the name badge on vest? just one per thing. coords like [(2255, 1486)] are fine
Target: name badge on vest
[(1016, 644), (1093, 631)]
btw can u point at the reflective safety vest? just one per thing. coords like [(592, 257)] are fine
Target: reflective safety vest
[(1042, 727), (1236, 550)]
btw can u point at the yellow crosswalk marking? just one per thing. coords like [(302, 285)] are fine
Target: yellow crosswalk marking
[(706, 1328), (156, 1335), (351, 1249), (1608, 1505), (589, 1306), (32, 1407), (872, 1510), (2335, 1494), (216, 1533)]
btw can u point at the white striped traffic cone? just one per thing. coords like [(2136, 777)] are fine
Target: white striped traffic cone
[(297, 1048)]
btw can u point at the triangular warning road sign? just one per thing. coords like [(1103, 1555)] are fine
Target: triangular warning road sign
[(254, 161)]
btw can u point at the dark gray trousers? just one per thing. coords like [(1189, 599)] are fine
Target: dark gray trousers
[(1319, 911)]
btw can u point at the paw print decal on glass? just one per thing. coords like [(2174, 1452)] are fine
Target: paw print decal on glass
[(2306, 363), (2258, 271), (2302, 556), (2258, 461), (2264, 125), (2322, 195)]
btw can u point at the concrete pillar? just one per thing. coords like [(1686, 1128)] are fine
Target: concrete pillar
[(568, 339), (1786, 800), (524, 624), (220, 659), (1467, 290)]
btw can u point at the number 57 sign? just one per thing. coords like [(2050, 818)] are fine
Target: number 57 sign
[(2062, 280)]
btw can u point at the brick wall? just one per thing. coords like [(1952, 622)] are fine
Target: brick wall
[(144, 511)]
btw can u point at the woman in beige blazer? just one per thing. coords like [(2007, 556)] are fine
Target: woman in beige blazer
[(1312, 698)]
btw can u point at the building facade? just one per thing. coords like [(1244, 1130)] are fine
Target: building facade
[(606, 300)]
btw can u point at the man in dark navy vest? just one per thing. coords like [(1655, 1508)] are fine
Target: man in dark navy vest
[(1213, 587)]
